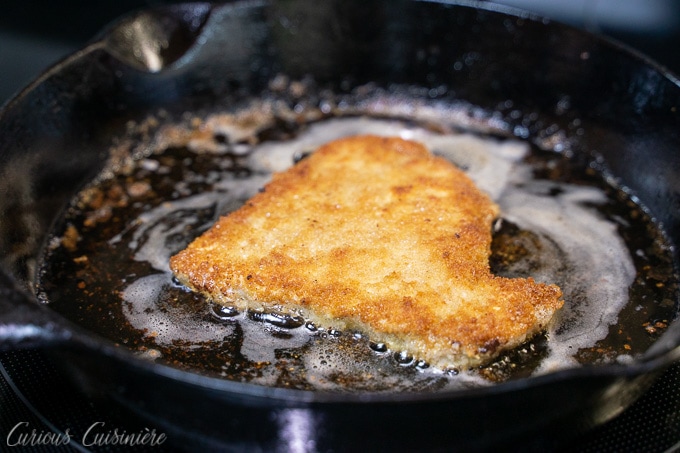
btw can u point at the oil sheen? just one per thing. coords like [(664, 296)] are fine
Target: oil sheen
[(567, 233)]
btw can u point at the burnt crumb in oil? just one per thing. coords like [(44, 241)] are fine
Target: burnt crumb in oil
[(103, 268)]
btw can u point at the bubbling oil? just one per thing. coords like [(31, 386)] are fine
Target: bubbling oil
[(119, 234)]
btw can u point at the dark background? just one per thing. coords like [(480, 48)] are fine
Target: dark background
[(36, 33)]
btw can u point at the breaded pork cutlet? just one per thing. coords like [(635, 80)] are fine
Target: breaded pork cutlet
[(376, 235)]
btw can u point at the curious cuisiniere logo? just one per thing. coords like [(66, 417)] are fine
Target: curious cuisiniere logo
[(98, 434)]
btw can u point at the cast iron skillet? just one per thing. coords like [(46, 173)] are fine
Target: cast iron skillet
[(529, 74)]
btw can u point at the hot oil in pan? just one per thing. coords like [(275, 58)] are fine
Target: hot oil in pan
[(560, 224)]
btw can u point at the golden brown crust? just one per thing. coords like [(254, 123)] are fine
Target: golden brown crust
[(379, 235)]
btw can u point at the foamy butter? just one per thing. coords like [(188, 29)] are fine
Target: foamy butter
[(580, 250), (598, 271)]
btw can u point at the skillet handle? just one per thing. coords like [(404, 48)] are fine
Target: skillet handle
[(24, 323)]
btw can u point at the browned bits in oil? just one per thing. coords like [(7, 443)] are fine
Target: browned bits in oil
[(655, 327), (138, 189), (70, 238), (99, 204)]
